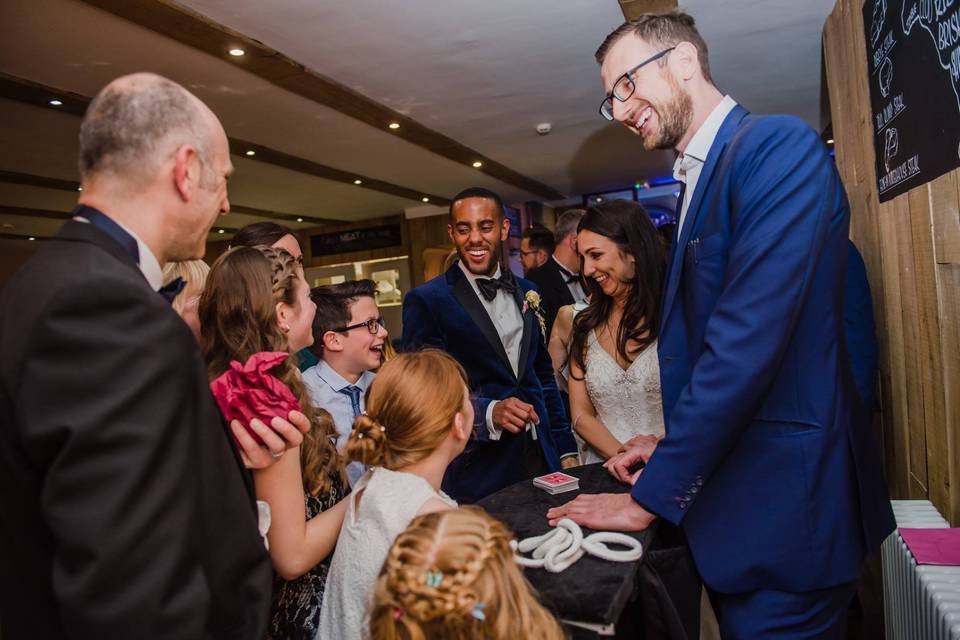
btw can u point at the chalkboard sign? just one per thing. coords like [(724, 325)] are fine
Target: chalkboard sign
[(913, 55), (366, 239)]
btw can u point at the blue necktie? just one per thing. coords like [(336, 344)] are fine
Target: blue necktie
[(354, 393)]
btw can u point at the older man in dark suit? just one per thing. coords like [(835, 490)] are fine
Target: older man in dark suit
[(125, 507), (558, 278)]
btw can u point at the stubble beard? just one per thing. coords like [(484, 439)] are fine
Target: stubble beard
[(675, 119)]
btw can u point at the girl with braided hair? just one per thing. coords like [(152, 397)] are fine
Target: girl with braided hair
[(256, 300), (451, 576), (419, 418)]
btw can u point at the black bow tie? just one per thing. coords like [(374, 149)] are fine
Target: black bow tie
[(567, 276), (172, 289), (488, 286)]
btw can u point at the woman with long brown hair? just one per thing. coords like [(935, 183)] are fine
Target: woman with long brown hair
[(256, 300), (451, 576)]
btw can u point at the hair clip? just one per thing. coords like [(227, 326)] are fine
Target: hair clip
[(383, 429), (477, 611), (359, 436), (397, 612), (434, 578)]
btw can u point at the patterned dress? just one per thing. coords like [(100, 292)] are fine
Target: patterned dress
[(295, 614)]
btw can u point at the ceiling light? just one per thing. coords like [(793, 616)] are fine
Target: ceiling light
[(599, 199), (219, 230), (251, 153), (31, 238), (425, 199), (358, 181), (236, 52), (299, 219), (394, 125), (477, 164), (830, 141), (55, 103)]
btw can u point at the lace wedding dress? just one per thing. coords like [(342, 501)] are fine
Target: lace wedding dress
[(628, 400)]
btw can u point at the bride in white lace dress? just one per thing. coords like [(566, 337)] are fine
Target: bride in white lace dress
[(614, 380)]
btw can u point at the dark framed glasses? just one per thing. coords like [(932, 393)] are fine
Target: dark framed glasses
[(373, 326), (624, 87)]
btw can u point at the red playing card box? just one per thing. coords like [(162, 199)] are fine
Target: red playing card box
[(555, 479)]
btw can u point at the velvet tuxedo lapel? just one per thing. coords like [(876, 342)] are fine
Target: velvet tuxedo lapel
[(527, 330), (467, 297), (727, 129)]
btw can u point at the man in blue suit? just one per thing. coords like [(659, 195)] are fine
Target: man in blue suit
[(492, 323), (767, 463)]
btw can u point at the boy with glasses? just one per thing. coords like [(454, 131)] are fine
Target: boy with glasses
[(348, 338)]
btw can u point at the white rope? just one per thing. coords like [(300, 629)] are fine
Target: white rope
[(561, 547)]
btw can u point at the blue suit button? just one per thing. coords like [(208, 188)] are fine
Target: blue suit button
[(699, 481), (683, 505)]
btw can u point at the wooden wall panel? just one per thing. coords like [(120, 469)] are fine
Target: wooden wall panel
[(911, 247)]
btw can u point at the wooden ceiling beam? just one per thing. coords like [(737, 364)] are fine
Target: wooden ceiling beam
[(200, 32), (633, 8), (38, 95)]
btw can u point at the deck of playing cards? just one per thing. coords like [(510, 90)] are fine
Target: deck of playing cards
[(554, 483)]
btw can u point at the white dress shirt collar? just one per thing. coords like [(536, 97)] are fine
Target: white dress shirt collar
[(696, 152), (149, 265), (472, 277), (338, 382)]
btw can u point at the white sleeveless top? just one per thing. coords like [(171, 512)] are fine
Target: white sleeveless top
[(391, 500), (628, 402)]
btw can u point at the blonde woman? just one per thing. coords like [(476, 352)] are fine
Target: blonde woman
[(186, 303), (418, 419), (451, 576)]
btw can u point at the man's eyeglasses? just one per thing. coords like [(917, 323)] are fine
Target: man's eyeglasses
[(373, 326), (624, 87)]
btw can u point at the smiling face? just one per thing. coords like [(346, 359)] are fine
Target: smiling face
[(361, 350), (478, 229), (660, 110), (606, 263), (298, 317)]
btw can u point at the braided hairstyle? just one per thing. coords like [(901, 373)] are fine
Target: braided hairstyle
[(467, 552), (238, 319), (410, 409)]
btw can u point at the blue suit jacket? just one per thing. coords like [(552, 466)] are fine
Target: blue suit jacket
[(446, 313), (768, 462)]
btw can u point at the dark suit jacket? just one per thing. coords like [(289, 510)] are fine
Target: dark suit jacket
[(124, 508), (768, 461), (553, 289), (859, 327), (447, 314)]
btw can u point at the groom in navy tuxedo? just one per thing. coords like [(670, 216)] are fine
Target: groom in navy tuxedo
[(767, 463), (491, 322)]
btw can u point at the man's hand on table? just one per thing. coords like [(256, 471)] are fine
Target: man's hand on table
[(633, 452), (603, 512), (569, 462), (513, 414), (277, 438)]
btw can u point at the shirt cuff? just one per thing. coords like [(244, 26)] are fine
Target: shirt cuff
[(493, 431)]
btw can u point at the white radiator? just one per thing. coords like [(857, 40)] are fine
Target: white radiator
[(922, 602)]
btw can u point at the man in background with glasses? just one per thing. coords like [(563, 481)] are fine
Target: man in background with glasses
[(348, 339), (768, 463)]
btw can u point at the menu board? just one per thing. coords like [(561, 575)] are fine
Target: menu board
[(913, 55)]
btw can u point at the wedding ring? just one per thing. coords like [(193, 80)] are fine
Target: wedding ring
[(275, 455)]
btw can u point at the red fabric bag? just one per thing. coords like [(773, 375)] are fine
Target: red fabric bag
[(249, 391)]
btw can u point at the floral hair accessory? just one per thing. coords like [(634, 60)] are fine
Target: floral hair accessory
[(477, 611), (434, 578), (397, 612)]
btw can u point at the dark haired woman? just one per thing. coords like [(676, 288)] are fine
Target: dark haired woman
[(256, 300), (614, 381)]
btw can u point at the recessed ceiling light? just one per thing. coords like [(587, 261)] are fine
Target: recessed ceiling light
[(31, 238), (236, 52), (358, 181), (299, 219), (425, 199), (394, 125), (599, 199), (55, 103), (477, 164), (251, 152), (219, 230), (830, 141)]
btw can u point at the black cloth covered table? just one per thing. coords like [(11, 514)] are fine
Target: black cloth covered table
[(661, 589)]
